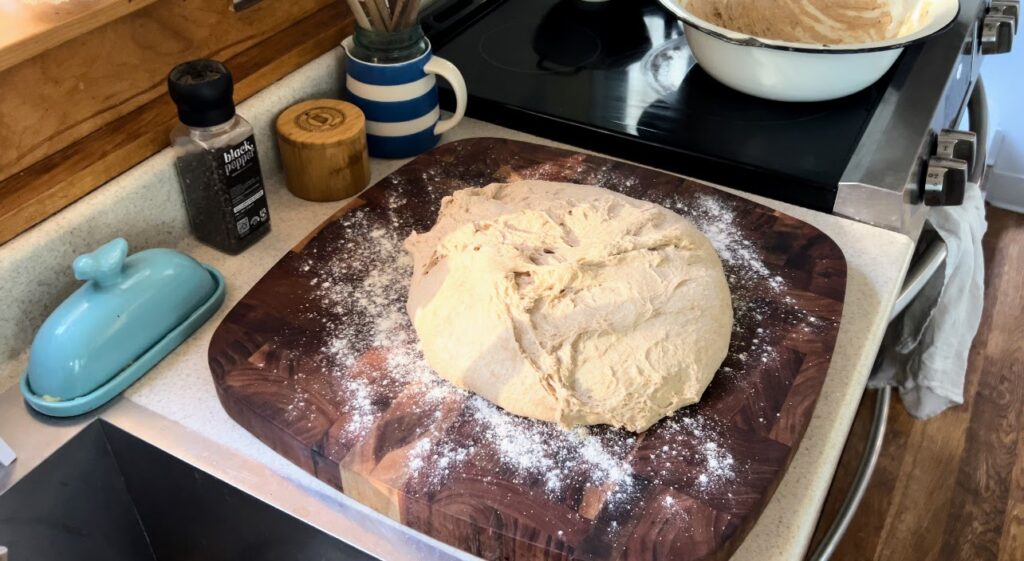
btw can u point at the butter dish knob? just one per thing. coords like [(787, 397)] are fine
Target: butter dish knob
[(102, 265)]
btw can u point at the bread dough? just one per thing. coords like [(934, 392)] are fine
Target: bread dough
[(569, 303), (827, 22)]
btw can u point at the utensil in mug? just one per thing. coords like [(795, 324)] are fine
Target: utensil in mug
[(400, 101)]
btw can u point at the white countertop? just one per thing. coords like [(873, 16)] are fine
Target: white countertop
[(145, 207)]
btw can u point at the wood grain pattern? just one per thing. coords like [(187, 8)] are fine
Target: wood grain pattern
[(67, 92), (52, 183), (952, 488), (323, 149), (272, 376), (29, 29)]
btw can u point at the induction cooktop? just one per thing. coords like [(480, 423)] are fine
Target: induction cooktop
[(617, 77)]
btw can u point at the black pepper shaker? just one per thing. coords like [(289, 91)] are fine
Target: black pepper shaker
[(216, 157)]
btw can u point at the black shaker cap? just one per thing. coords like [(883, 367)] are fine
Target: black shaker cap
[(202, 90)]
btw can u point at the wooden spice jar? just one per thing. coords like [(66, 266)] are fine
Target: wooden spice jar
[(323, 149)]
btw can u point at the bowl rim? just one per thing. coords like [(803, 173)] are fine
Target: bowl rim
[(947, 15)]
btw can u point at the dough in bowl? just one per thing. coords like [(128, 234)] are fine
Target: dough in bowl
[(825, 22), (569, 303)]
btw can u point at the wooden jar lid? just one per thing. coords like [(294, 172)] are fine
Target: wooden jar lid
[(323, 149)]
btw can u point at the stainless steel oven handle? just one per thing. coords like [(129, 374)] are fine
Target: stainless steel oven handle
[(977, 122), (872, 450), (920, 272)]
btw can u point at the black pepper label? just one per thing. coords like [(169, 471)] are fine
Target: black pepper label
[(241, 168)]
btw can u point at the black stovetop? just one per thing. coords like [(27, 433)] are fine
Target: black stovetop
[(617, 77)]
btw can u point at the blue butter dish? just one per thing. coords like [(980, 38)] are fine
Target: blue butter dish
[(131, 313)]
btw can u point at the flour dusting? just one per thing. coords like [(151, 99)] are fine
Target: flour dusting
[(373, 350)]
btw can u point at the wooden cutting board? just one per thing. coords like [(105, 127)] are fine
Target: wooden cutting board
[(319, 362)]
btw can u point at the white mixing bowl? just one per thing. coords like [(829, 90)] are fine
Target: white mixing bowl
[(785, 71)]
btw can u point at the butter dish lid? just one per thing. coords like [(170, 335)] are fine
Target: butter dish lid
[(120, 321)]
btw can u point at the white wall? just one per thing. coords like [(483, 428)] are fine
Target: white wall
[(1004, 83)]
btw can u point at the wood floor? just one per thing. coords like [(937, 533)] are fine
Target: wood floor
[(952, 488)]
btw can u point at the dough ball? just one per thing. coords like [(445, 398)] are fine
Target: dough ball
[(569, 303), (826, 22)]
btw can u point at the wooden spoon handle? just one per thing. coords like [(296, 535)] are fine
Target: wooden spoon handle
[(376, 18), (359, 14), (411, 13), (396, 15)]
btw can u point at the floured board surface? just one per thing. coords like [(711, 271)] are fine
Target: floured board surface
[(319, 361)]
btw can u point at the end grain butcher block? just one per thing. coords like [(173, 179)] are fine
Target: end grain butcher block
[(319, 361)]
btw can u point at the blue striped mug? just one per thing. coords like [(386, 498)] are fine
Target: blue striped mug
[(399, 100)]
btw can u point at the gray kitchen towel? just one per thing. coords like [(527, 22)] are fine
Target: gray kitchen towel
[(925, 352)]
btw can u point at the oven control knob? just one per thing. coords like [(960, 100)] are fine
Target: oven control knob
[(1008, 8), (945, 181), (958, 145), (997, 34)]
